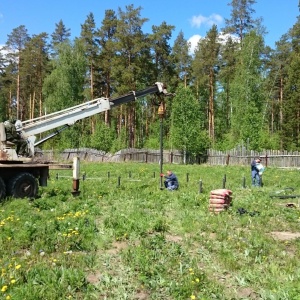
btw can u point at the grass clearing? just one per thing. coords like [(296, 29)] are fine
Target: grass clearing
[(133, 241)]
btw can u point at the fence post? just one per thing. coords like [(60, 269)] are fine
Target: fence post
[(227, 159), (200, 186), (76, 171)]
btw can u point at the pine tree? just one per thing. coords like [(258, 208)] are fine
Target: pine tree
[(205, 69), (61, 34), (159, 39), (3, 90), (14, 45), (291, 103), (163, 71), (128, 66), (34, 69), (107, 44), (88, 35), (228, 53), (241, 21), (181, 60)]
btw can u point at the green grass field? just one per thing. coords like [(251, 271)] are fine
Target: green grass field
[(124, 238)]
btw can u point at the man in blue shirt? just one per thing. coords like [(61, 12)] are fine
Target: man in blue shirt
[(256, 172), (171, 182)]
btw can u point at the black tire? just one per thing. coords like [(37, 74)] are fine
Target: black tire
[(23, 185), (2, 189)]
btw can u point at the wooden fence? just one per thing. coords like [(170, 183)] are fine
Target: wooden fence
[(238, 156), (271, 158)]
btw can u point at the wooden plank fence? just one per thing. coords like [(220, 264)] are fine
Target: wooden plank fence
[(238, 156)]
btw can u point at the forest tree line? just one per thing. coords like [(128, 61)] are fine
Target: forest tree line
[(229, 91)]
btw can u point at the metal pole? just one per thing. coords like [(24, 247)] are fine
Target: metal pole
[(161, 153), (161, 112), (76, 171)]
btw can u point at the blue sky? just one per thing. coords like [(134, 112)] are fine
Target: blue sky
[(193, 17)]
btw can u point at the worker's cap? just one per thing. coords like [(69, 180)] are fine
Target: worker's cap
[(18, 125)]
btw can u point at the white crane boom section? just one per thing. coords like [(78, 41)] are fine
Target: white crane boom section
[(67, 116)]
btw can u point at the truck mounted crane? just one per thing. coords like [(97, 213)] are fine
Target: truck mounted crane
[(20, 177)]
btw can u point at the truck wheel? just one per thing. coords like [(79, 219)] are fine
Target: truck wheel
[(23, 185), (2, 189)]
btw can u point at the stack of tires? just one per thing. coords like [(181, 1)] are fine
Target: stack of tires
[(219, 200)]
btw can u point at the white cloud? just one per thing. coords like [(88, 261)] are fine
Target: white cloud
[(193, 40), (197, 21), (2, 52), (223, 38)]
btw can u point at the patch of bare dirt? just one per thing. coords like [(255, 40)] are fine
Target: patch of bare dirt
[(173, 238), (247, 293), (117, 247), (93, 278), (142, 295), (211, 235), (285, 235)]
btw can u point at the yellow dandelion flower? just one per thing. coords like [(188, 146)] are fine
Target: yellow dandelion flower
[(13, 281), (8, 297), (4, 288), (193, 297), (18, 267)]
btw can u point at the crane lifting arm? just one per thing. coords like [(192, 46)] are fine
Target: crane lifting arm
[(158, 89), (60, 120), (71, 115), (19, 177)]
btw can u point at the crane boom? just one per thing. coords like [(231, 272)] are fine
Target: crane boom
[(20, 176), (60, 120), (71, 115), (67, 116)]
